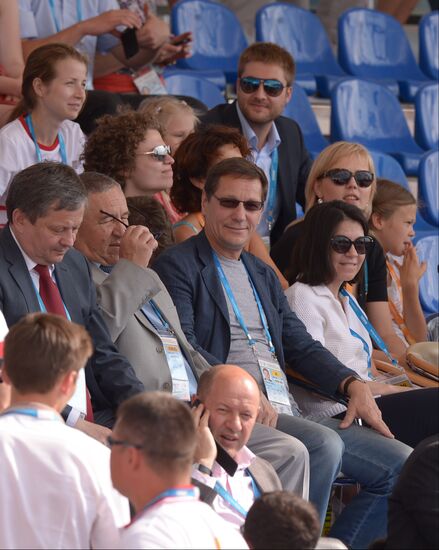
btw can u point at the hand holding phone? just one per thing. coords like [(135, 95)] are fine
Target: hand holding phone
[(181, 39), (206, 451), (129, 43)]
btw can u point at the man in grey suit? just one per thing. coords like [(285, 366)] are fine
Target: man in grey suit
[(144, 323)]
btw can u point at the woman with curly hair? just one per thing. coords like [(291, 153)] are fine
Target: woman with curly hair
[(196, 154), (129, 148)]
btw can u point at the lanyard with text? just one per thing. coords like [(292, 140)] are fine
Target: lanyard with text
[(271, 201), (160, 316), (42, 414), (55, 18), (397, 317), (62, 145), (237, 311), (186, 493), (224, 494), (367, 325)]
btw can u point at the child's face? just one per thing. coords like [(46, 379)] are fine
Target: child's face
[(397, 232)]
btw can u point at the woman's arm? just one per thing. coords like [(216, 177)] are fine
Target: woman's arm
[(380, 318), (257, 247), (11, 56)]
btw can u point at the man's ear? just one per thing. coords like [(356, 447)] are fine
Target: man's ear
[(67, 384), (204, 201), (289, 94), (19, 219)]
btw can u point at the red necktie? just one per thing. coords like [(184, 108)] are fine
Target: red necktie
[(51, 297)]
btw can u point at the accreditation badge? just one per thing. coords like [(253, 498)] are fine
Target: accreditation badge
[(174, 357), (275, 386)]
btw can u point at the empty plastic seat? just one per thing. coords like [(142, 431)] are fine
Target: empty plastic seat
[(427, 248), (301, 33), (427, 117), (429, 45), (218, 38), (216, 77), (373, 45), (205, 91), (428, 188), (388, 168), (370, 114), (301, 111)]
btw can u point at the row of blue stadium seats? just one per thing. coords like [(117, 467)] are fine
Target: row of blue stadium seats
[(372, 45)]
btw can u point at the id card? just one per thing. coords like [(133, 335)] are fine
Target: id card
[(180, 381), (79, 398), (275, 386), (148, 82)]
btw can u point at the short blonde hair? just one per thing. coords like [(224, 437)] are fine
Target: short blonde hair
[(163, 108), (328, 159)]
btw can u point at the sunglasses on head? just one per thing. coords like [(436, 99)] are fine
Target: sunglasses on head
[(272, 87), (250, 206), (342, 244), (160, 152), (341, 176)]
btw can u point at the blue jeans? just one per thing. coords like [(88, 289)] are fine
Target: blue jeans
[(362, 454)]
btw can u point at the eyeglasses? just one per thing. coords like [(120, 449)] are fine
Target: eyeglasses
[(160, 152), (341, 176), (342, 244), (250, 206), (250, 85), (111, 442), (155, 235)]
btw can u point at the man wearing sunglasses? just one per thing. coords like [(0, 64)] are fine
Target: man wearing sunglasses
[(265, 77), (233, 310)]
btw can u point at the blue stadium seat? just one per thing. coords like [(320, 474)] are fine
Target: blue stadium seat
[(205, 91), (370, 114), (300, 32), (301, 111), (218, 38), (427, 247), (373, 45), (428, 188), (388, 168), (427, 117), (429, 45), (216, 77)]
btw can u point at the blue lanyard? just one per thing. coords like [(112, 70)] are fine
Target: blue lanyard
[(271, 202), (62, 145), (160, 316), (223, 493), (43, 305), (42, 414), (55, 19), (189, 492), (367, 325), (366, 349), (236, 310)]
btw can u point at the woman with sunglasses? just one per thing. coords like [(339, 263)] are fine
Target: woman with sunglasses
[(129, 148), (345, 171), (329, 254)]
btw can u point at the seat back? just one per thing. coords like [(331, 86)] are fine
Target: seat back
[(428, 249), (205, 91), (300, 32), (428, 188), (300, 110), (427, 117), (218, 38), (369, 114), (429, 44), (388, 168), (374, 45)]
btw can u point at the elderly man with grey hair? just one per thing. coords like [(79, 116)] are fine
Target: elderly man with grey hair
[(40, 271)]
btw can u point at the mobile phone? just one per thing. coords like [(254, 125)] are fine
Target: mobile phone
[(181, 39), (129, 42), (195, 403)]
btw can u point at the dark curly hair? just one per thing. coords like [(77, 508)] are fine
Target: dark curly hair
[(196, 154), (111, 147)]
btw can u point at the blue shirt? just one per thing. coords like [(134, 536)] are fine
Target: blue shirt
[(262, 157)]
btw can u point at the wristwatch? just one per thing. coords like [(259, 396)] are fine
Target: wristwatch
[(349, 381)]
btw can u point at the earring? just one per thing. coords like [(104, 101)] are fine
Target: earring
[(319, 200)]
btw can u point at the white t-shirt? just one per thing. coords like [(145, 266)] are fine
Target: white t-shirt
[(17, 151), (182, 522), (55, 486)]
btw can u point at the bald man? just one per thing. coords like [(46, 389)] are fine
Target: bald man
[(229, 405)]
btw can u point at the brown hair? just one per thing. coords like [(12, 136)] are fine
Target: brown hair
[(196, 154), (41, 348), (169, 449), (41, 64), (388, 197), (111, 147), (272, 54)]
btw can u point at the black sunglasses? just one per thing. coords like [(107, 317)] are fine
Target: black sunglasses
[(250, 206), (111, 442), (341, 176), (342, 244), (250, 85)]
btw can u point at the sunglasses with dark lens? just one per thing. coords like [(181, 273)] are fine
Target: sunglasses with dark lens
[(272, 87), (250, 206), (341, 176), (342, 244), (159, 153)]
